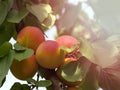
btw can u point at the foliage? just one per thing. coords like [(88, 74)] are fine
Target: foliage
[(5, 63), (98, 64), (18, 86), (21, 53)]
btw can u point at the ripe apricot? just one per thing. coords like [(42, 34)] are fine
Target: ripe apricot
[(24, 69), (49, 55), (67, 41), (30, 37)]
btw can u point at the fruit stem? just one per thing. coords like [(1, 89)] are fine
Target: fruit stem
[(37, 80)]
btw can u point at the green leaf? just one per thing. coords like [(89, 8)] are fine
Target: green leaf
[(41, 83), (3, 10), (25, 87), (5, 63), (3, 82), (68, 49), (14, 34), (6, 31), (19, 47), (30, 80), (75, 70), (4, 49), (15, 16), (5, 6), (44, 83), (23, 54), (72, 72), (10, 4), (18, 86), (50, 88)]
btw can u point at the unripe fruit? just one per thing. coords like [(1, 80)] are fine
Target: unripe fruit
[(24, 69), (67, 41), (30, 37), (49, 55)]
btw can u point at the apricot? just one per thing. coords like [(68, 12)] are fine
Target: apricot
[(67, 41), (24, 69), (70, 43), (49, 55), (30, 37)]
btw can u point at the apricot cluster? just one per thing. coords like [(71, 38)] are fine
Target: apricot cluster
[(29, 37), (47, 54)]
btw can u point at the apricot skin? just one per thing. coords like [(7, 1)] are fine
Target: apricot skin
[(24, 69), (30, 37), (49, 55), (67, 41)]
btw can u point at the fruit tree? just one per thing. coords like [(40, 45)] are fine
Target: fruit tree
[(84, 54)]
